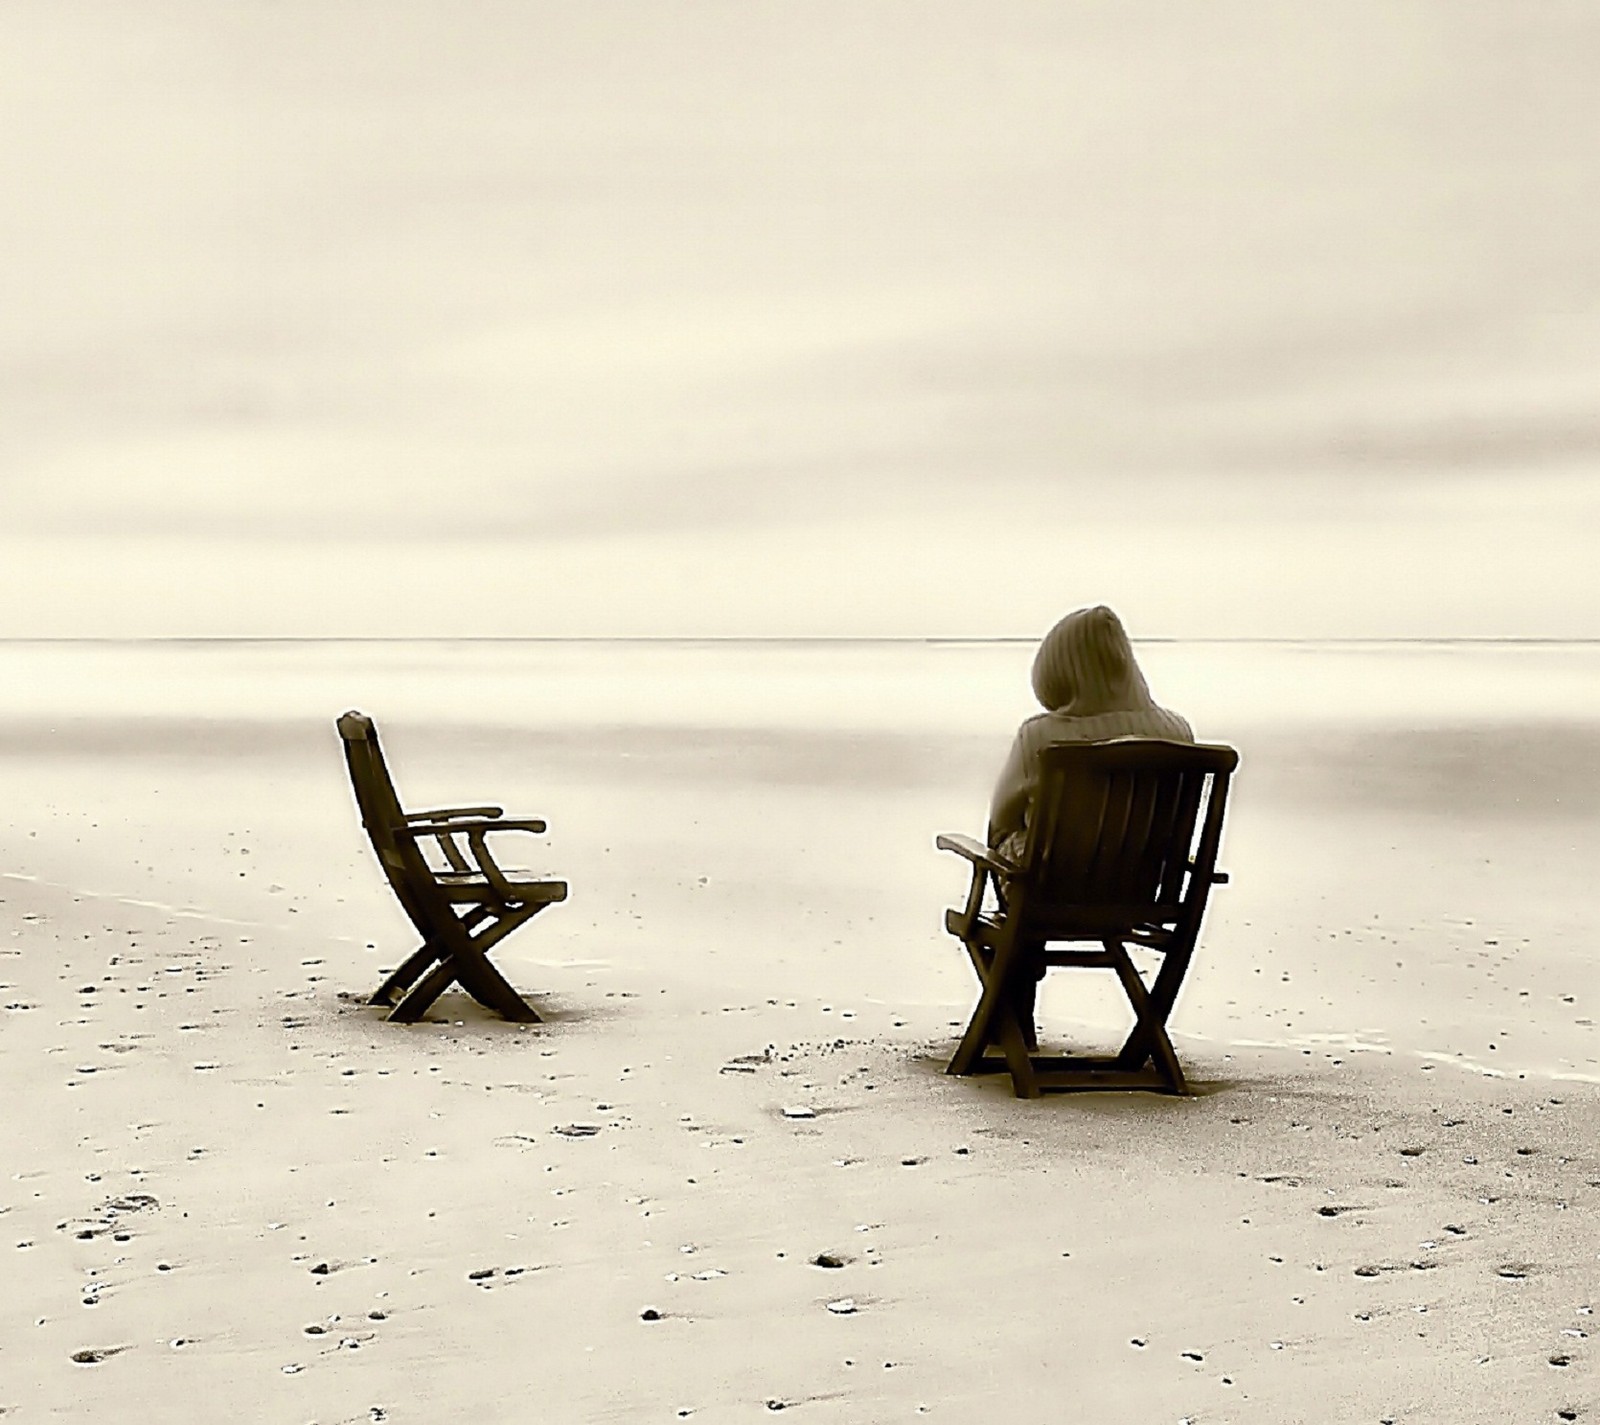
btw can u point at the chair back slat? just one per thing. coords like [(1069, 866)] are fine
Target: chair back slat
[(404, 866), (1112, 832), (376, 798), (1156, 863), (1189, 792), (1108, 866)]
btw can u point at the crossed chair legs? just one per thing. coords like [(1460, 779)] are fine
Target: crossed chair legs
[(1010, 973), (440, 961)]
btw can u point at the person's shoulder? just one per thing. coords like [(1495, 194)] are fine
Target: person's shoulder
[(1037, 731), (1055, 724), (1176, 725), (1089, 724), (1052, 729), (1049, 728)]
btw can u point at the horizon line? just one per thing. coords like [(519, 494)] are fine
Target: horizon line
[(924, 639)]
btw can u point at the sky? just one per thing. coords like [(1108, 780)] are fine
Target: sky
[(844, 317)]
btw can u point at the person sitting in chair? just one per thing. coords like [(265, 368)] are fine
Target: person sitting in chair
[(1091, 689)]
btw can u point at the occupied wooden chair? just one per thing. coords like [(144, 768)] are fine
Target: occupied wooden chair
[(1121, 849), (460, 900)]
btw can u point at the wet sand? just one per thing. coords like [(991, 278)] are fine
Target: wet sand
[(727, 1178)]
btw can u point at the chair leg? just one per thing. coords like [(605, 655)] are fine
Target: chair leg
[(478, 978), (996, 1012), (425, 992), (431, 949), (1027, 997), (405, 976), (491, 989), (485, 983), (1014, 1045), (1163, 996), (468, 962), (1153, 1033), (976, 1037)]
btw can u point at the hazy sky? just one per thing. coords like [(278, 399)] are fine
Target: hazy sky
[(830, 316)]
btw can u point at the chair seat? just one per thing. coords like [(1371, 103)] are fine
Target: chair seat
[(472, 886), (986, 929)]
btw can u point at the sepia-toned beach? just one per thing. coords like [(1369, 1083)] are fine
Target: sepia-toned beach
[(727, 1177), (681, 421)]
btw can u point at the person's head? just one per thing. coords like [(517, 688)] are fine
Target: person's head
[(1085, 665)]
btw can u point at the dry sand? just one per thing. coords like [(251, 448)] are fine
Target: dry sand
[(727, 1179)]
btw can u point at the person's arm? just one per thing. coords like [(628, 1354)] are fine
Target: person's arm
[(1009, 805)]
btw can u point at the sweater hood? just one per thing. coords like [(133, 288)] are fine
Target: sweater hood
[(1085, 665)]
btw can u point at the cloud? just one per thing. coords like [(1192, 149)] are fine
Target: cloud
[(648, 286), (743, 416)]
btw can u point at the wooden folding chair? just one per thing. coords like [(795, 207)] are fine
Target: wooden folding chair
[(463, 907), (1121, 849)]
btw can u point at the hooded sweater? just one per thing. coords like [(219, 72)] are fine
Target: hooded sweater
[(1087, 680)]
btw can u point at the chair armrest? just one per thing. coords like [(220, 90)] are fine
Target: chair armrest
[(445, 833), (476, 832), (477, 840), (979, 854), (1218, 878), (449, 828), (986, 861), (455, 814)]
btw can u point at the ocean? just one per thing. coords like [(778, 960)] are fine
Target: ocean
[(946, 686), (1411, 837)]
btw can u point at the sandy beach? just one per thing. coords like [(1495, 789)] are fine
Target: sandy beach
[(727, 1178), (680, 423)]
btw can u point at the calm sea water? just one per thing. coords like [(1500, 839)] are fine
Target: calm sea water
[(1224, 688), (1461, 728), (1412, 834)]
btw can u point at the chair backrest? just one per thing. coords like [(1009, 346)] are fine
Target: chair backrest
[(407, 870), (1124, 833), (369, 775)]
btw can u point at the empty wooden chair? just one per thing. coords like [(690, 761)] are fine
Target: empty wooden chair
[(461, 901), (1121, 849)]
